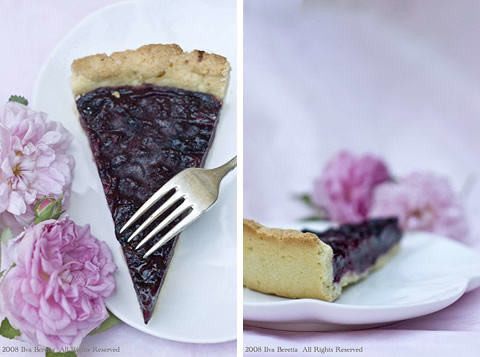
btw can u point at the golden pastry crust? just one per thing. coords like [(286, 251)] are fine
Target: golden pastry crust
[(161, 65), (287, 263), (293, 264)]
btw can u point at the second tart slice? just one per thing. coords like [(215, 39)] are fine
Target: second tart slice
[(307, 264), (148, 114)]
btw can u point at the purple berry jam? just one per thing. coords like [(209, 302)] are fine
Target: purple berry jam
[(140, 138), (356, 247)]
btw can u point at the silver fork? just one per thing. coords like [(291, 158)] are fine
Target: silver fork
[(198, 187)]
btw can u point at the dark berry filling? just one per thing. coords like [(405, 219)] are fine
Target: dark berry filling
[(356, 247), (140, 138)]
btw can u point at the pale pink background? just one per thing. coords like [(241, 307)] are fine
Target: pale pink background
[(29, 31), (400, 79)]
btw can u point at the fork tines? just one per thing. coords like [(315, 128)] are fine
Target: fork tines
[(183, 208)]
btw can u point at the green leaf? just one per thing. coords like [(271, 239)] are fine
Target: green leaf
[(305, 198), (7, 330), (313, 219), (4, 238), (111, 321), (5, 272), (18, 99), (6, 235), (50, 353)]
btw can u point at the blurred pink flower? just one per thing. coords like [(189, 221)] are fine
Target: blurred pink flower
[(345, 187), (422, 201), (55, 293), (33, 163)]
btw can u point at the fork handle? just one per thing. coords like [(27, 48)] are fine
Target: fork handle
[(221, 171)]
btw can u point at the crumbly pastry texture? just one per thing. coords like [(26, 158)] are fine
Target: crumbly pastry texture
[(293, 264), (160, 65)]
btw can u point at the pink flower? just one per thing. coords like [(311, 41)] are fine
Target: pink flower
[(55, 294), (33, 163), (422, 201), (346, 185)]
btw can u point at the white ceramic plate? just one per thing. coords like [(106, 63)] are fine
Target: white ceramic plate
[(428, 274), (201, 282)]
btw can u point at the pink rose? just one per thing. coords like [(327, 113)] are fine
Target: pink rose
[(33, 163), (55, 294), (346, 185), (422, 201)]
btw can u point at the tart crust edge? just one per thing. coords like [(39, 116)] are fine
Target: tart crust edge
[(157, 64), (294, 264), (287, 263)]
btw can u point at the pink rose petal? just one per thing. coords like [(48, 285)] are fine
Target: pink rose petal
[(422, 201), (345, 187), (33, 163), (55, 294)]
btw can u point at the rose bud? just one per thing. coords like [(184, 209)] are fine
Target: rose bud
[(48, 208)]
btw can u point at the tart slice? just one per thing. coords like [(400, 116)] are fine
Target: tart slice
[(317, 265), (148, 114)]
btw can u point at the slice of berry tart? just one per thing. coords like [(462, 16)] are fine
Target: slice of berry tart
[(307, 264), (148, 114)]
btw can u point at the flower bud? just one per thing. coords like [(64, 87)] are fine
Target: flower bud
[(48, 208)]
